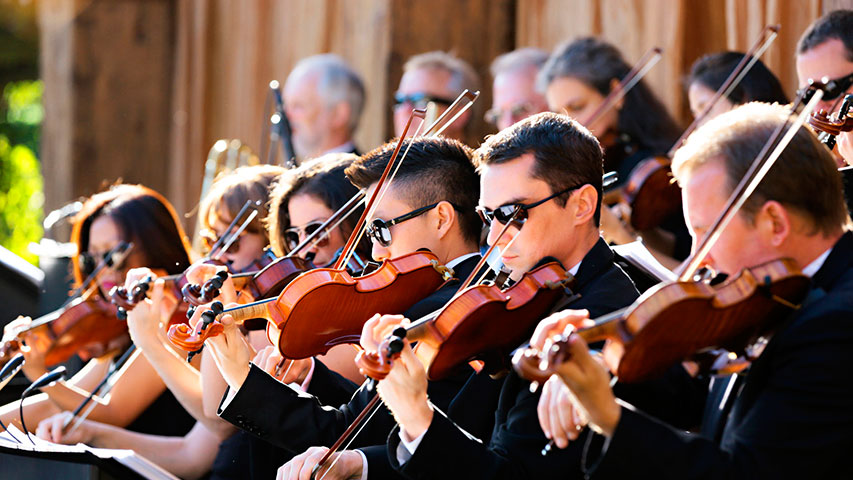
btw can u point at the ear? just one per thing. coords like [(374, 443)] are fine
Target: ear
[(614, 86), (586, 202), (444, 217), (774, 223)]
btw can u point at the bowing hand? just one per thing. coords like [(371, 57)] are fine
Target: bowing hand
[(347, 464), (589, 383), (50, 429), (560, 416)]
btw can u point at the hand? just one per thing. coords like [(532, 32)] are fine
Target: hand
[(559, 415), (145, 321), (291, 371), (35, 351), (230, 350), (589, 382), (559, 323), (348, 465), (50, 429), (199, 273), (845, 146)]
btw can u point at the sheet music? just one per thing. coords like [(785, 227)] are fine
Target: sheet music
[(637, 253), (128, 458)]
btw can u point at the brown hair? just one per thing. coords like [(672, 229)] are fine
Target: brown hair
[(804, 178), (144, 217), (231, 190), (323, 178), (565, 153)]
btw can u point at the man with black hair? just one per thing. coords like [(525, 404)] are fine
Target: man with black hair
[(548, 168), (429, 204)]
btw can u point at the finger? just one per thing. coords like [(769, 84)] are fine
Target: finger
[(282, 472), (367, 342), (566, 415), (543, 408), (387, 325), (574, 371), (228, 292), (556, 324), (134, 275), (201, 272), (411, 362), (305, 467)]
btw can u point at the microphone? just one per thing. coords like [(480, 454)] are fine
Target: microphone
[(8, 371), (54, 375)]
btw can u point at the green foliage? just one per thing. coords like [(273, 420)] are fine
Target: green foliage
[(21, 184)]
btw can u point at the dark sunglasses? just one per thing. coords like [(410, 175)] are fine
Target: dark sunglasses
[(419, 100), (88, 262), (835, 88), (379, 230), (293, 235), (504, 213)]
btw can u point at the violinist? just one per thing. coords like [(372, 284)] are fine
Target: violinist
[(550, 167), (576, 80), (429, 204), (790, 417), (212, 444), (514, 94), (138, 400), (709, 73), (323, 99), (434, 77)]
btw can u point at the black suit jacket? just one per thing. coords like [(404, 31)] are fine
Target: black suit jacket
[(491, 429), (295, 421), (793, 418)]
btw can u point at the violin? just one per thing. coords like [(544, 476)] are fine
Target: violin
[(88, 319), (315, 323), (670, 323), (484, 322)]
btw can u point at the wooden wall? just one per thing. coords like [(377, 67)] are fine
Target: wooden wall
[(141, 89)]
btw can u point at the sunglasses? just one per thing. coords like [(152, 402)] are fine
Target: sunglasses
[(88, 261), (379, 230), (835, 87), (294, 235), (516, 112), (505, 213), (209, 239), (419, 100)]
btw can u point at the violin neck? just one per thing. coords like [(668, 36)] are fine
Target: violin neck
[(250, 310), (609, 326)]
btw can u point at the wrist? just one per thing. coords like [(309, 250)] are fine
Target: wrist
[(610, 419), (237, 376), (417, 420)]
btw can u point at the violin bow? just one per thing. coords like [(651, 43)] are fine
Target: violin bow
[(649, 60), (759, 168), (116, 371), (761, 44), (114, 258)]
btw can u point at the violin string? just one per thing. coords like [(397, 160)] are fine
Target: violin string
[(375, 408)]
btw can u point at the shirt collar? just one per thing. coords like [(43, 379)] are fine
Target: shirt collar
[(811, 269), (456, 261), (343, 148)]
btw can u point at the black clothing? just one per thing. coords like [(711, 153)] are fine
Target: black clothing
[(290, 419), (792, 418), (503, 412), (165, 416)]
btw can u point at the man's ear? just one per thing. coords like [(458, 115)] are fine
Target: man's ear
[(586, 200), (774, 222), (445, 217)]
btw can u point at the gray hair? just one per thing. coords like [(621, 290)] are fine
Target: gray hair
[(462, 75), (520, 59), (337, 82)]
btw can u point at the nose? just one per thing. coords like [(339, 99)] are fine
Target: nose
[(379, 252)]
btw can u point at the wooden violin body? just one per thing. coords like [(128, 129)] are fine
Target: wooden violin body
[(652, 193), (87, 320), (482, 323), (325, 307), (672, 322)]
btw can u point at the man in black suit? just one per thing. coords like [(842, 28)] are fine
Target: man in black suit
[(417, 211), (549, 168), (792, 417)]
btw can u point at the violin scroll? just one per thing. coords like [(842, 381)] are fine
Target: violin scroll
[(192, 339)]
